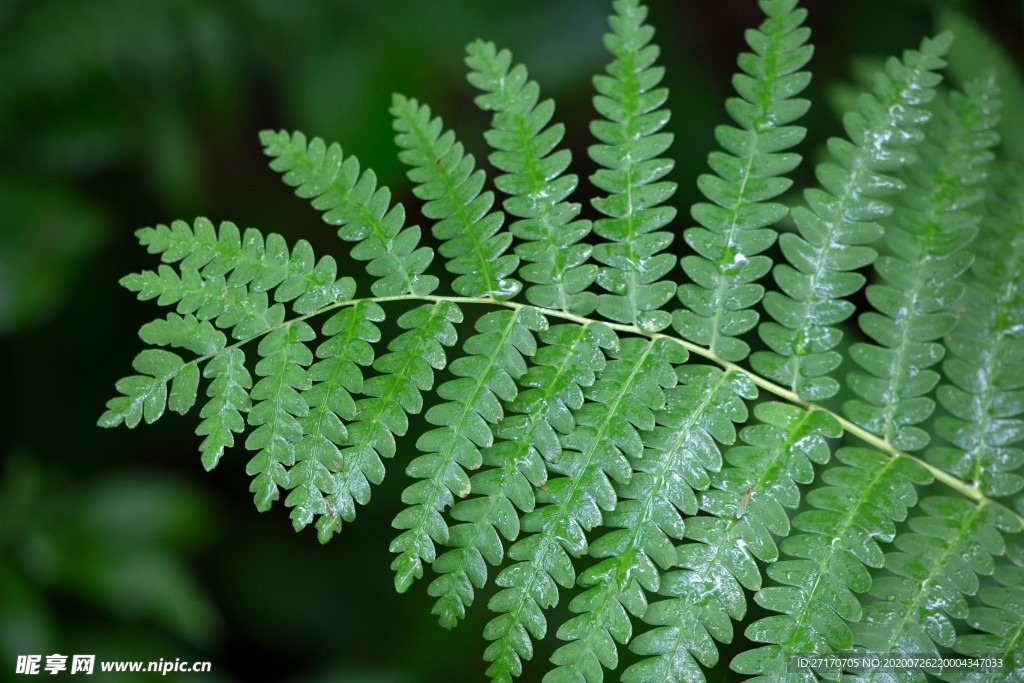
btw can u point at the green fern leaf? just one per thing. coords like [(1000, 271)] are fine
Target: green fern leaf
[(278, 409), (143, 396), (225, 276), (485, 378), (567, 361), (679, 454), (840, 537), (352, 200), (184, 332), (451, 188), (747, 504), (188, 333), (535, 181), (736, 228), (297, 407), (631, 174), (228, 392), (556, 436), (322, 481), (920, 279), (620, 402), (395, 392), (839, 224), (222, 276), (254, 268), (986, 363), (215, 266), (997, 618), (935, 566)]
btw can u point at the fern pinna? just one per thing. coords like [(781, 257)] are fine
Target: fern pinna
[(576, 452)]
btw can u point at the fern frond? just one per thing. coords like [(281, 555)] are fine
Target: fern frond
[(920, 279), (736, 227), (298, 408), (244, 270), (344, 440), (816, 599), (228, 392), (395, 392), (143, 396), (619, 403), (839, 222), (549, 227), (998, 620), (446, 180), (629, 99), (678, 455), (324, 481), (986, 364), (977, 52), (485, 379), (936, 566), (224, 275), (548, 443), (568, 360), (707, 593), (350, 199), (278, 409)]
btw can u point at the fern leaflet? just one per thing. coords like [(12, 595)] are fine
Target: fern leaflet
[(707, 592), (936, 566), (446, 180), (483, 376), (926, 236), (535, 182), (839, 221), (982, 396), (679, 453), (631, 175), (332, 181), (736, 228)]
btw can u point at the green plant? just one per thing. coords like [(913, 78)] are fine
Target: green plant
[(577, 445)]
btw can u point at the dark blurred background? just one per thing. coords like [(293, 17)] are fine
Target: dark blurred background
[(115, 114)]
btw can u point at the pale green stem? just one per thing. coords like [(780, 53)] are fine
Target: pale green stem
[(965, 489)]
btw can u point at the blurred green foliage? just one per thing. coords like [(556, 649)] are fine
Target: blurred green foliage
[(116, 114)]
